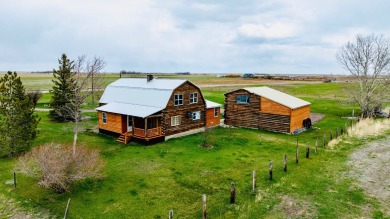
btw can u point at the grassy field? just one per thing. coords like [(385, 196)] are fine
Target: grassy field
[(148, 181)]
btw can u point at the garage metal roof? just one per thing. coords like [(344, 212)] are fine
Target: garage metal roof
[(278, 97)]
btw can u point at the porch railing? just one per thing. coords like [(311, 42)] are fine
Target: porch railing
[(150, 133)]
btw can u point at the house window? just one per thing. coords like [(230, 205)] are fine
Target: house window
[(178, 99), (196, 115), (242, 99), (216, 112), (175, 120), (104, 117), (193, 97)]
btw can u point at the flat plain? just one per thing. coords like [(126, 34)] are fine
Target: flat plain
[(148, 181)]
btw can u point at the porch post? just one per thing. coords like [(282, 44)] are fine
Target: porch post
[(146, 125), (132, 124)]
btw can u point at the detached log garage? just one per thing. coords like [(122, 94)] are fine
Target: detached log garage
[(266, 108)]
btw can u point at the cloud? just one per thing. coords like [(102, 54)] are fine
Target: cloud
[(269, 30), (182, 35)]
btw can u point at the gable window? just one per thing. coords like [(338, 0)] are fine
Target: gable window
[(104, 117), (175, 120), (196, 115), (242, 99), (216, 112), (193, 97), (178, 99)]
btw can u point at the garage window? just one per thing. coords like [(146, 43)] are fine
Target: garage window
[(242, 99)]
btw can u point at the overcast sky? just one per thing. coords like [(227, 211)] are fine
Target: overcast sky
[(269, 36)]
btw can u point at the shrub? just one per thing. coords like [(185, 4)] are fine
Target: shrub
[(56, 167)]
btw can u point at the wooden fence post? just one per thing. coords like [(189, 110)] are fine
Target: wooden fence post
[(337, 133), (67, 208), (170, 214), (353, 113), (330, 136), (270, 170), (204, 207), (14, 179), (323, 141), (307, 150), (232, 193), (285, 163), (316, 148), (254, 180)]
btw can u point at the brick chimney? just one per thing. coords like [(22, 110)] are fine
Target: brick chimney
[(149, 77)]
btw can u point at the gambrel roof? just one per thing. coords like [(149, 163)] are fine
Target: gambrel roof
[(137, 96), (278, 97)]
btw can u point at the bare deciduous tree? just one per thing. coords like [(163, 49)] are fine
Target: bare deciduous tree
[(367, 59), (34, 96), (84, 70)]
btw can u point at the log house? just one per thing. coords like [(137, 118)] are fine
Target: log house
[(151, 109)]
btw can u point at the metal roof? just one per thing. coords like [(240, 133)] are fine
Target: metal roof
[(211, 104), (278, 97), (140, 92), (129, 109), (137, 96)]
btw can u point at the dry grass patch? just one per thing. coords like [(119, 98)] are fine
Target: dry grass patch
[(369, 128), (294, 208), (11, 209)]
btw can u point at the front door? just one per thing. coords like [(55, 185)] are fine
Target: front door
[(129, 124)]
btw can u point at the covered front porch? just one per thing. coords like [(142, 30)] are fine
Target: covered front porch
[(141, 128), (135, 121)]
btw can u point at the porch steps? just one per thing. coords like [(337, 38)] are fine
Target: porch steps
[(124, 138)]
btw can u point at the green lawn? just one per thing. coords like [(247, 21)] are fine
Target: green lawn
[(148, 181)]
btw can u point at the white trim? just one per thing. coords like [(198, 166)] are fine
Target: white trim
[(216, 110), (194, 98), (104, 117), (196, 115), (175, 120), (182, 99)]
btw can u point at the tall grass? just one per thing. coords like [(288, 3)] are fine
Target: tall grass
[(369, 128)]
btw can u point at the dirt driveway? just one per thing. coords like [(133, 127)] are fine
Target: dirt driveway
[(370, 165)]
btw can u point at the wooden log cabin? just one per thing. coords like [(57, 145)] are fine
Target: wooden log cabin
[(151, 109), (266, 108)]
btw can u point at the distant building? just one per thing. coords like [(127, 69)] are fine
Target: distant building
[(248, 75)]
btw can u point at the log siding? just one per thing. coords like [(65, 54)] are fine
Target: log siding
[(113, 124), (262, 113), (187, 123)]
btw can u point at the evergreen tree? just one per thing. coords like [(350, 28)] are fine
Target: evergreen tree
[(63, 91), (17, 120)]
